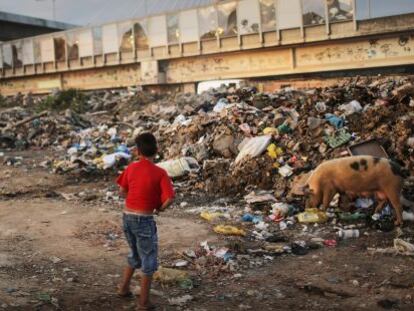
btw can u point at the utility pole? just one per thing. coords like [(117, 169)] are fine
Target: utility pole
[(369, 8)]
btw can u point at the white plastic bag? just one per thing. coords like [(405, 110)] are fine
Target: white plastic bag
[(253, 147), (351, 108), (221, 104), (111, 159), (180, 167)]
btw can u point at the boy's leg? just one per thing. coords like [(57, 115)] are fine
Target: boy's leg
[(134, 261), (145, 291), (148, 252), (126, 281)]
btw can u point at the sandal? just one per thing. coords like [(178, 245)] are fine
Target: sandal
[(128, 294), (149, 306)]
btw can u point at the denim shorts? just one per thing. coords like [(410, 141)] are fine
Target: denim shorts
[(142, 237)]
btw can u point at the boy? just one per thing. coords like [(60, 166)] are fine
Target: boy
[(148, 190)]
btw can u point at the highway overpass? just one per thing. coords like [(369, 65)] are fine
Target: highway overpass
[(224, 40), (14, 26)]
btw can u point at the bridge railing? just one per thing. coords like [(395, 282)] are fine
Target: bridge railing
[(226, 24)]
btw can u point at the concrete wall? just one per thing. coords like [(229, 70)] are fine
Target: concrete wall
[(323, 57), (377, 43), (103, 78)]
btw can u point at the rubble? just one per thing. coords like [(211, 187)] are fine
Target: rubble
[(230, 130), (224, 141)]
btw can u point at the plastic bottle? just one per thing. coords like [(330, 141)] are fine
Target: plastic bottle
[(352, 217), (348, 234)]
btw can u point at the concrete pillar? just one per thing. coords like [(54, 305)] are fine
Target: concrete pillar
[(190, 88)]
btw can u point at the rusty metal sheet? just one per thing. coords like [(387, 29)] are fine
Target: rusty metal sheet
[(369, 147)]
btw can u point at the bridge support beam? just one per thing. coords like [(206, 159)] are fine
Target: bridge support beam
[(327, 56)]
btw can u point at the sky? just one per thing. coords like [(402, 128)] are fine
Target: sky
[(92, 12), (79, 12)]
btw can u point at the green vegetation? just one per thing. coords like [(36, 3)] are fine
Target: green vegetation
[(68, 99), (2, 101)]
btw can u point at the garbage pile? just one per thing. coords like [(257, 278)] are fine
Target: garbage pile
[(94, 150), (21, 129), (226, 140), (266, 140), (260, 228)]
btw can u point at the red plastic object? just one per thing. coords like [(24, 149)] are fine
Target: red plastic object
[(330, 243)]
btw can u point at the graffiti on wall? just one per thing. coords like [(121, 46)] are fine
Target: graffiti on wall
[(374, 49), (239, 65)]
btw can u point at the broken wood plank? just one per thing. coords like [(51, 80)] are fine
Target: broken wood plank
[(324, 291)]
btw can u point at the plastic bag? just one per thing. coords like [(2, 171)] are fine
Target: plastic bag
[(280, 209), (320, 106), (180, 167), (335, 120), (312, 215), (273, 151), (314, 123), (253, 147), (210, 216), (270, 131), (229, 230), (403, 247), (351, 108), (286, 171), (221, 105), (111, 159)]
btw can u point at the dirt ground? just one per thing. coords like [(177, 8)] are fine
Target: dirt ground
[(59, 254)]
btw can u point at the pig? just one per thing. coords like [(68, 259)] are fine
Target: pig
[(357, 174)]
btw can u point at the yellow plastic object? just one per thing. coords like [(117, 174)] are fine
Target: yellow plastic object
[(274, 151), (276, 248), (210, 216), (59, 164), (98, 161), (312, 215), (168, 275), (270, 131), (229, 230)]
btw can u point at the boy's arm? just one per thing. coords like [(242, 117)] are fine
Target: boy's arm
[(123, 192), (166, 204), (122, 182), (167, 193)]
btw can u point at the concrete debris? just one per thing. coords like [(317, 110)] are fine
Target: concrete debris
[(180, 301)]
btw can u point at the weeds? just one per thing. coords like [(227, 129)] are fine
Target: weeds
[(69, 99), (4, 103)]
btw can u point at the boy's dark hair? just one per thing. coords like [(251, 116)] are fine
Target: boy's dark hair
[(146, 144)]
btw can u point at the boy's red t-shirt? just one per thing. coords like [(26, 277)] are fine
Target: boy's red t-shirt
[(148, 186)]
